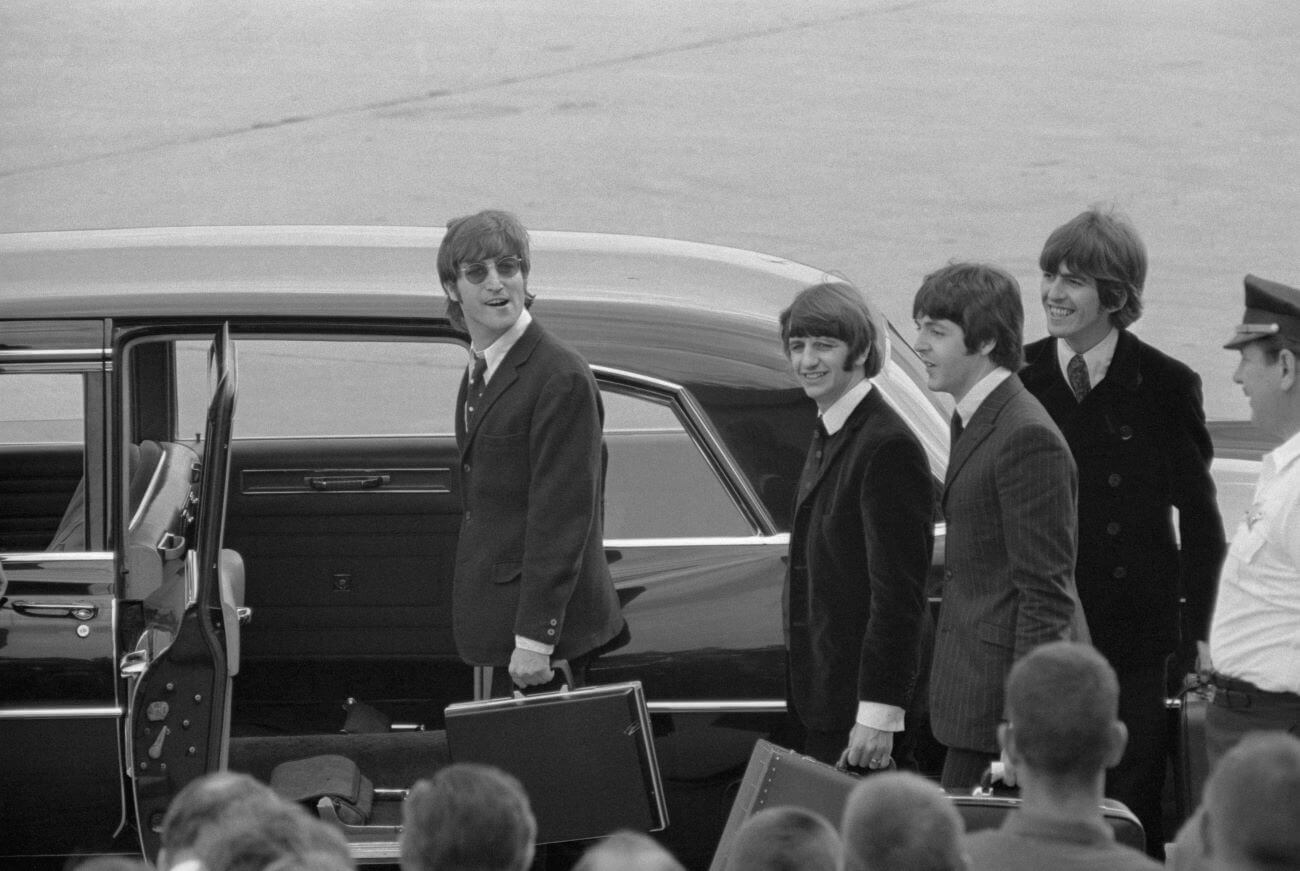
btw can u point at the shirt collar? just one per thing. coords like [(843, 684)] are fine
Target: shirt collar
[(971, 402), (1086, 831), (1284, 454), (835, 417), (496, 352), (1097, 357)]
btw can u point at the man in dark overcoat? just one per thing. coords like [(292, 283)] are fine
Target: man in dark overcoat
[(1134, 420)]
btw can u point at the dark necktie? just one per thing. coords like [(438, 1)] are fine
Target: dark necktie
[(476, 376), (956, 433), (1077, 373)]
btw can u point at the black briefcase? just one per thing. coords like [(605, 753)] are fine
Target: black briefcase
[(777, 776), (585, 757)]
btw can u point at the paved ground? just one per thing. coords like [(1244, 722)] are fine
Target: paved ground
[(876, 139)]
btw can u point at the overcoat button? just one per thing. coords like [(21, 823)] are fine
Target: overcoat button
[(1114, 479), (1126, 432), (1112, 528), (1120, 573)]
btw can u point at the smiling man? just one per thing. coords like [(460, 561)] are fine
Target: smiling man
[(531, 584), (1135, 422), (1009, 501), (861, 538)]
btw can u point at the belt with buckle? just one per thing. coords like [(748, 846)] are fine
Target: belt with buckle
[(1231, 692)]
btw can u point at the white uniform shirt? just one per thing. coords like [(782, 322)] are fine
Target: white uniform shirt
[(1255, 634)]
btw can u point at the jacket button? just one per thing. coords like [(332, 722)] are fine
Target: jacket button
[(1112, 528), (554, 622), (947, 574), (1126, 432), (550, 631), (1119, 573), (465, 468), (1114, 479)]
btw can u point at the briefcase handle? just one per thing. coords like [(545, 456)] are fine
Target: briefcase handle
[(562, 666)]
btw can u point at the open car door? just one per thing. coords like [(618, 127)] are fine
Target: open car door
[(180, 672)]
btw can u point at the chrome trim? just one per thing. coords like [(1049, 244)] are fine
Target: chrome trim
[(725, 706), (150, 491), (56, 355), (638, 378), (369, 851), (59, 713), (781, 538), (45, 556)]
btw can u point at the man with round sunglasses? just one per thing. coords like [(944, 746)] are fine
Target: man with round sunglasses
[(532, 586)]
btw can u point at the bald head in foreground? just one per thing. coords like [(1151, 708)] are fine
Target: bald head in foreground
[(899, 821)]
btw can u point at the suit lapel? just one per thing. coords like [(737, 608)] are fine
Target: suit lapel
[(505, 376), (836, 446), (981, 426)]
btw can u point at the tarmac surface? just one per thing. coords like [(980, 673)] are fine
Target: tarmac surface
[(874, 139)]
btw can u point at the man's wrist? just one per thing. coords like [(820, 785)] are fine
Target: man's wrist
[(532, 646)]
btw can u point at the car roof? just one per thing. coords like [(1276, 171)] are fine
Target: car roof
[(273, 271), (680, 309)]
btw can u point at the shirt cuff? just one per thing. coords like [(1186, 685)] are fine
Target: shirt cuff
[(533, 646), (886, 718)]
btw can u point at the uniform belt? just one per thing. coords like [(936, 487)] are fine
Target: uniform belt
[(1231, 692)]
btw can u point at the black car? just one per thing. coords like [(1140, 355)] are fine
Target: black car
[(229, 508)]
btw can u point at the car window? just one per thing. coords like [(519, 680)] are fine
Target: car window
[(42, 462), (659, 484), (290, 388), (41, 409)]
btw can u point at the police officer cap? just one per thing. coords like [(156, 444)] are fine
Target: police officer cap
[(1272, 309)]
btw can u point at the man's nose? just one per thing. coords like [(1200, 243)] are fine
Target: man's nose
[(493, 280)]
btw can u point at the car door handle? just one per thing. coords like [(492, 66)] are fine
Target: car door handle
[(347, 482), (76, 610)]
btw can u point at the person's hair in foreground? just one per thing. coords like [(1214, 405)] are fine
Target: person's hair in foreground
[(1103, 245), (785, 839), (900, 820), (626, 850), (232, 822), (982, 299), (487, 235), (838, 310), (1252, 804), (467, 817), (1063, 704)]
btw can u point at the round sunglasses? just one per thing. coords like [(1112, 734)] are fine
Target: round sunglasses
[(477, 273)]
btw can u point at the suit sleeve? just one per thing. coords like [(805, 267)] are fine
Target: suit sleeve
[(897, 508), (564, 445), (1200, 526), (1038, 499)]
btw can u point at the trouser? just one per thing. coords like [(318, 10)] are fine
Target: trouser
[(963, 768), (1139, 778), (1238, 707)]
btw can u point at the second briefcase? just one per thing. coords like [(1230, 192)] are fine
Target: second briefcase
[(585, 757)]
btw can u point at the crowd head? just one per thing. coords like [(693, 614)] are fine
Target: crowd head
[(785, 839), (467, 817), (900, 820)]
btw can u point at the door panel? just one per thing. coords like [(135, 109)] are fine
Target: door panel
[(348, 545), (59, 712), (180, 690)]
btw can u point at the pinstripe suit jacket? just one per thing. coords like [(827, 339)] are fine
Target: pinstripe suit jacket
[(1009, 501)]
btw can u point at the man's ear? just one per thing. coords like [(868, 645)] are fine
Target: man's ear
[(1118, 741), (1287, 359), (450, 290), (986, 348), (1005, 739)]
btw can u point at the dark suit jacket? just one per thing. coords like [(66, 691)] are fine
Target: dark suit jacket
[(1009, 500), (859, 552), (1141, 446), (530, 560)]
